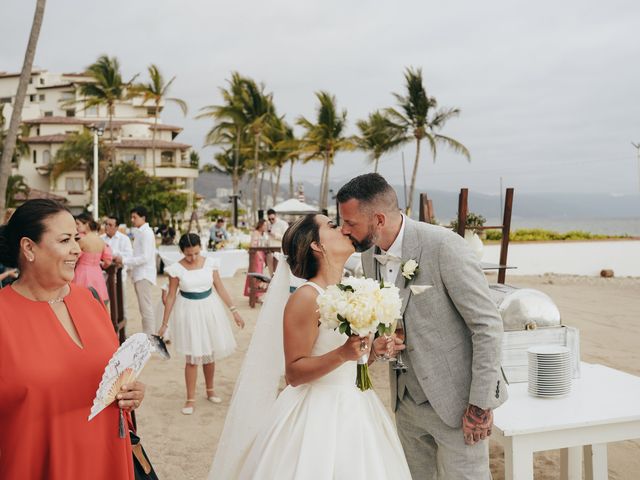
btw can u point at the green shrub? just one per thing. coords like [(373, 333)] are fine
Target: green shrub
[(540, 235)]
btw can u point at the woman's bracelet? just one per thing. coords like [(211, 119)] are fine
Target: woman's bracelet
[(376, 357), (233, 309)]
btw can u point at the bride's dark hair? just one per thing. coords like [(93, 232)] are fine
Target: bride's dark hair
[(296, 245)]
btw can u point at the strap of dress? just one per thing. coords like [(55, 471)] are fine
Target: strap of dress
[(317, 287)]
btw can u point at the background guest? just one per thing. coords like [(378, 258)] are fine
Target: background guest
[(218, 233), (142, 263), (277, 227), (55, 341), (95, 256), (120, 246), (260, 258)]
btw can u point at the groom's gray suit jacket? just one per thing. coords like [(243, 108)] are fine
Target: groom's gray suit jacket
[(453, 329)]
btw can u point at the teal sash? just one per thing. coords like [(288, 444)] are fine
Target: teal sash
[(196, 295)]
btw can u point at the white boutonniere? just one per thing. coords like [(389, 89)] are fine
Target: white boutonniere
[(409, 270)]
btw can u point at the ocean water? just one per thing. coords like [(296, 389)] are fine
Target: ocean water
[(602, 226)]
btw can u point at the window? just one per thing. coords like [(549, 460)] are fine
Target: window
[(42, 97), (138, 158), (151, 111), (71, 113), (41, 81), (30, 80), (74, 184), (35, 156), (48, 114), (46, 157), (4, 100), (166, 157)]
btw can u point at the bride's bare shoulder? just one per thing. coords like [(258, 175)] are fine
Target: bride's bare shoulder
[(302, 303)]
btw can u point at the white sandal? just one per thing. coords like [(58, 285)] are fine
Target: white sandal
[(189, 410), (213, 398)]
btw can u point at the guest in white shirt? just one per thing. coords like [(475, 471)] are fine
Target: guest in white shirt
[(120, 245), (142, 263), (277, 227)]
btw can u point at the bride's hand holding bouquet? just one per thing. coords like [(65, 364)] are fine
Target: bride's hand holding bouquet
[(360, 307)]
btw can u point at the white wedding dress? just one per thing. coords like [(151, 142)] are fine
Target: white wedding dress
[(326, 429)]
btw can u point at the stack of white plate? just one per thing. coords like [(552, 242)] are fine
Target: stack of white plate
[(549, 371)]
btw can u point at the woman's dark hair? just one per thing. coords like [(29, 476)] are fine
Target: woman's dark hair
[(188, 240), (260, 223), (27, 221), (296, 244), (88, 220)]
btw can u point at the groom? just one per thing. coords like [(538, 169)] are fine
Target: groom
[(444, 400)]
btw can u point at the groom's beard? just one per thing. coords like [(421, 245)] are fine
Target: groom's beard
[(366, 243)]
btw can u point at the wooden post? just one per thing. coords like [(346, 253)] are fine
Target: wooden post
[(423, 215), (462, 210), (506, 228), (116, 303), (431, 215)]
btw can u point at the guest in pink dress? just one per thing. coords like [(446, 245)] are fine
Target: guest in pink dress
[(95, 256), (260, 257)]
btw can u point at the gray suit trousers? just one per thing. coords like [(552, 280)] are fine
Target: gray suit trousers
[(434, 450)]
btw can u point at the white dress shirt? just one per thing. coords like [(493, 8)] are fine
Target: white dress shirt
[(142, 262), (390, 271), (278, 228), (120, 245)]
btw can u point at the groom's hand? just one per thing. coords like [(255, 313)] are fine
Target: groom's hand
[(476, 424), (389, 346)]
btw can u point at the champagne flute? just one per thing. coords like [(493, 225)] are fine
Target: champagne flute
[(387, 357), (399, 332)]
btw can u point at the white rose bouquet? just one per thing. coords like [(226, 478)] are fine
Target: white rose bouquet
[(360, 306)]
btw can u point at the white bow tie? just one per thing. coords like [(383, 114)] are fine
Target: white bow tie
[(385, 257)]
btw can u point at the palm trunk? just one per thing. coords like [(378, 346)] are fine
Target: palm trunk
[(236, 161), (112, 150), (375, 164), (16, 115), (260, 190), (291, 179), (322, 177), (326, 184), (254, 203), (277, 189), (414, 175), (153, 140)]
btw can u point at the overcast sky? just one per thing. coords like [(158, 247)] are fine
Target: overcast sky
[(549, 91)]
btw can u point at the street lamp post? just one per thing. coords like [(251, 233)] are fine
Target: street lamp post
[(97, 132)]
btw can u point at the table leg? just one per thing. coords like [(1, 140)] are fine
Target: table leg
[(595, 462), (518, 461), (571, 463)]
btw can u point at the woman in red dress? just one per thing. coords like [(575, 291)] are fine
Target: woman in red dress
[(55, 341)]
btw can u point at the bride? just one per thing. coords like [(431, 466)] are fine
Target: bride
[(321, 426)]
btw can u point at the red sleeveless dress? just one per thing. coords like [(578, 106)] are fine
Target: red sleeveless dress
[(47, 386)]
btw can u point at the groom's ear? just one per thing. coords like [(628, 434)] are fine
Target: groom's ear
[(380, 219)]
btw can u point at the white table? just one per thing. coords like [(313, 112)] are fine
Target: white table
[(230, 260), (603, 407)]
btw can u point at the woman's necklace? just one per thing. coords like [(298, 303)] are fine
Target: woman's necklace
[(55, 300)]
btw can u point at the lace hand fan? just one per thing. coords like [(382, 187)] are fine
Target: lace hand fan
[(125, 366)]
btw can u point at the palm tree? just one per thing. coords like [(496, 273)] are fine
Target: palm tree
[(229, 124), (420, 120), (378, 135), (280, 136), (76, 154), (16, 185), (259, 111), (324, 138), (156, 91), (14, 123), (107, 88)]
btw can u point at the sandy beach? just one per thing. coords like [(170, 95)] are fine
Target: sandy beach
[(606, 311)]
